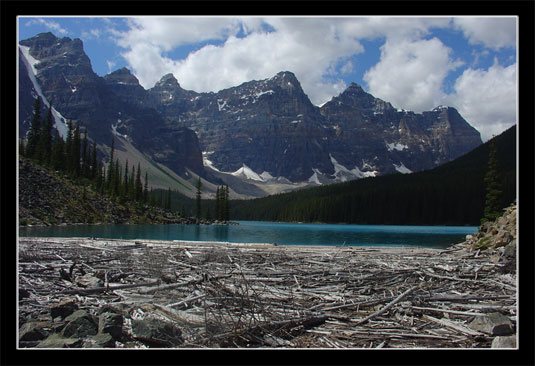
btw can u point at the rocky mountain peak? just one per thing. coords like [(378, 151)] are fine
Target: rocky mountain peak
[(122, 76), (440, 108), (167, 81), (40, 41), (52, 51), (286, 79), (355, 97), (269, 125), (354, 88), (121, 71)]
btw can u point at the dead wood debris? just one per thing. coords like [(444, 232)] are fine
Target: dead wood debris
[(229, 295)]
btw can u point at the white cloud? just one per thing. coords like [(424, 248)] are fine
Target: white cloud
[(487, 99), (410, 74), (492, 32), (393, 28), (92, 34), (50, 24), (166, 33), (111, 65), (347, 68), (307, 47)]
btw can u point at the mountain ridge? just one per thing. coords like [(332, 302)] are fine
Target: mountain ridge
[(268, 125), (450, 194)]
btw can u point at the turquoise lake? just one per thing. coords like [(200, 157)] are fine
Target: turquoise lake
[(270, 232)]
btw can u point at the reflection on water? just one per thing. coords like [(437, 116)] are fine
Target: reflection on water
[(268, 232)]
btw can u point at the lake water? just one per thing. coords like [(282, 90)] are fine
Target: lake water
[(269, 232)]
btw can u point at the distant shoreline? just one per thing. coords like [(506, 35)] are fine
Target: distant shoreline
[(155, 243)]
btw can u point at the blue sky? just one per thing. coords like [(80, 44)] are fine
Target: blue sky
[(416, 63)]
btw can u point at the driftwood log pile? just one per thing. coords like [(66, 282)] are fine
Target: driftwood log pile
[(142, 293)]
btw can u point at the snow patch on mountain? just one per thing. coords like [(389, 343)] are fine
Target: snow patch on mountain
[(440, 108), (247, 173), (266, 176), (402, 168), (30, 62), (29, 59), (343, 174), (115, 132), (314, 178), (221, 104), (396, 146), (207, 162)]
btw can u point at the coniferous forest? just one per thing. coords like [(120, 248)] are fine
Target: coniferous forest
[(76, 157), (452, 194), (471, 189)]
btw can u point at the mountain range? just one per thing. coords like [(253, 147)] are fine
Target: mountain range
[(260, 137)]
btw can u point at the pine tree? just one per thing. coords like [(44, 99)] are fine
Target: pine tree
[(35, 129), (131, 184), (75, 152), (146, 189), (493, 196), (45, 139), (226, 211), (198, 199), (117, 178), (99, 179), (217, 209), (138, 186), (126, 186), (85, 156), (57, 157), (168, 203), (94, 166), (109, 175), (68, 147)]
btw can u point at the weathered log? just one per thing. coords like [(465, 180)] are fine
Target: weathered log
[(96, 290), (457, 327), (181, 284), (388, 306)]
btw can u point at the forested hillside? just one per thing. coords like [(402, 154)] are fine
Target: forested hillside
[(452, 194)]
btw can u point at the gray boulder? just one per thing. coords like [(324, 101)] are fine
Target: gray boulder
[(504, 342), (63, 309), (494, 324), (34, 331), (156, 332), (80, 324)]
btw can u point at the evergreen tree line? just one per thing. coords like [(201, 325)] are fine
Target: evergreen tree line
[(456, 193), (209, 209), (77, 157), (221, 206)]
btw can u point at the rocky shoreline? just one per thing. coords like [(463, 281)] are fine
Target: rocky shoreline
[(87, 293)]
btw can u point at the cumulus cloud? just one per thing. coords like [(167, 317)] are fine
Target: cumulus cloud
[(492, 32), (166, 33), (111, 65), (50, 24), (410, 74), (307, 47), (487, 99)]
